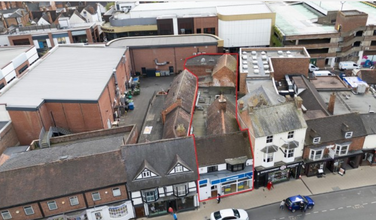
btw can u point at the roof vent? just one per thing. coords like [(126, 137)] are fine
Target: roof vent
[(254, 57), (245, 62), (265, 62), (267, 72), (245, 66), (256, 71), (280, 52), (288, 52), (245, 71), (255, 67), (244, 57), (266, 67), (290, 56), (244, 52), (263, 53), (253, 53), (264, 57), (254, 62)]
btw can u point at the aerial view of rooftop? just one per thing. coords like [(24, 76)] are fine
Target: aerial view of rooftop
[(187, 109)]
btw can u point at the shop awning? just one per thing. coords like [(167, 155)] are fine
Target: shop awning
[(270, 149), (291, 145)]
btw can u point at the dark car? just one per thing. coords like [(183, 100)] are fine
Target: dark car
[(293, 202)]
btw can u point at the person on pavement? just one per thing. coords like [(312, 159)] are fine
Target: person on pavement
[(282, 205)]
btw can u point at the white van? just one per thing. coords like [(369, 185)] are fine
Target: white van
[(323, 73), (348, 65), (312, 67)]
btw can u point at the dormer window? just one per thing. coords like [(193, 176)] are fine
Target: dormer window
[(146, 173), (179, 168), (348, 134), (290, 135), (316, 140)]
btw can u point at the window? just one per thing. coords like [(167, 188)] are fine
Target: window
[(151, 195), (116, 192), (181, 190), (212, 169), (52, 205), (290, 135), (316, 140), (315, 154), (289, 153), (268, 157), (28, 210), (178, 168), (61, 40), (348, 134), (23, 69), (269, 139), (96, 196), (342, 150), (209, 30), (235, 167), (6, 215), (198, 30), (146, 173), (73, 200)]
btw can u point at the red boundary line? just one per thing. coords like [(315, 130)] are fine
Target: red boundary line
[(236, 109)]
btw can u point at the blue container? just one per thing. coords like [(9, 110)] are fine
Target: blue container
[(131, 106)]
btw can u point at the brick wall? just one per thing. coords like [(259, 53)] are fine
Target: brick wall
[(349, 23), (8, 138), (18, 212)]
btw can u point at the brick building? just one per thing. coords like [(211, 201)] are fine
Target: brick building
[(65, 178), (75, 88), (166, 53)]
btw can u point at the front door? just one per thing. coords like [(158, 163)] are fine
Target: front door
[(140, 211)]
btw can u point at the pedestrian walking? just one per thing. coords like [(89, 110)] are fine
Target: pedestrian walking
[(270, 185), (219, 198), (282, 205), (175, 216)]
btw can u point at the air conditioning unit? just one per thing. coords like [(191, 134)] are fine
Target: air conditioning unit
[(255, 67), (256, 71), (254, 57), (244, 57), (245, 66), (253, 52)]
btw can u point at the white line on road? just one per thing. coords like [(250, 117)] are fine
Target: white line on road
[(324, 210), (282, 218), (308, 213), (332, 209), (373, 202), (315, 212), (365, 203), (340, 208), (349, 206)]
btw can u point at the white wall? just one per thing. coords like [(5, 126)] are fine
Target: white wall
[(4, 115), (74, 19), (21, 58), (370, 142), (4, 40), (106, 215), (278, 140), (245, 32), (32, 55), (43, 22)]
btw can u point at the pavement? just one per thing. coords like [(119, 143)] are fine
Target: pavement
[(362, 176), (354, 178)]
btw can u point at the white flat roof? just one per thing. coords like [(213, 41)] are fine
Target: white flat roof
[(161, 40), (68, 73), (7, 54), (244, 9)]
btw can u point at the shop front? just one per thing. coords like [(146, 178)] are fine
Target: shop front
[(369, 157), (178, 204), (333, 163), (224, 183), (281, 172)]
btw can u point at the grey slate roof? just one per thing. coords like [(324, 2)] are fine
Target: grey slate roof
[(369, 122), (160, 155), (329, 128), (214, 149), (276, 119), (183, 86), (262, 96), (75, 73)]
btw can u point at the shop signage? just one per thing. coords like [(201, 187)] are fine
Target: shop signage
[(201, 182), (280, 168), (231, 178)]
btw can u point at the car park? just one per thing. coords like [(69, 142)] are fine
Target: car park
[(293, 203), (227, 214)]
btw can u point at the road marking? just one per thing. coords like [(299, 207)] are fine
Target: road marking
[(340, 208), (308, 213), (373, 202), (332, 209), (282, 218), (315, 212), (349, 206), (324, 210), (365, 203)]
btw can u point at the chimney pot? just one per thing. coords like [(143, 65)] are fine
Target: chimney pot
[(332, 100)]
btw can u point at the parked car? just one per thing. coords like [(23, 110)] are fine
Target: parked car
[(348, 65), (312, 67), (227, 214), (293, 202)]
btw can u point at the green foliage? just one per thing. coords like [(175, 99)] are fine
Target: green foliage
[(108, 6), (276, 42)]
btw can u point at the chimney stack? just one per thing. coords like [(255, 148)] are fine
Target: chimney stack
[(222, 103), (181, 131), (250, 107), (332, 100), (298, 102)]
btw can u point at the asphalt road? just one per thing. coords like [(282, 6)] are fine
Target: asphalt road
[(359, 204)]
